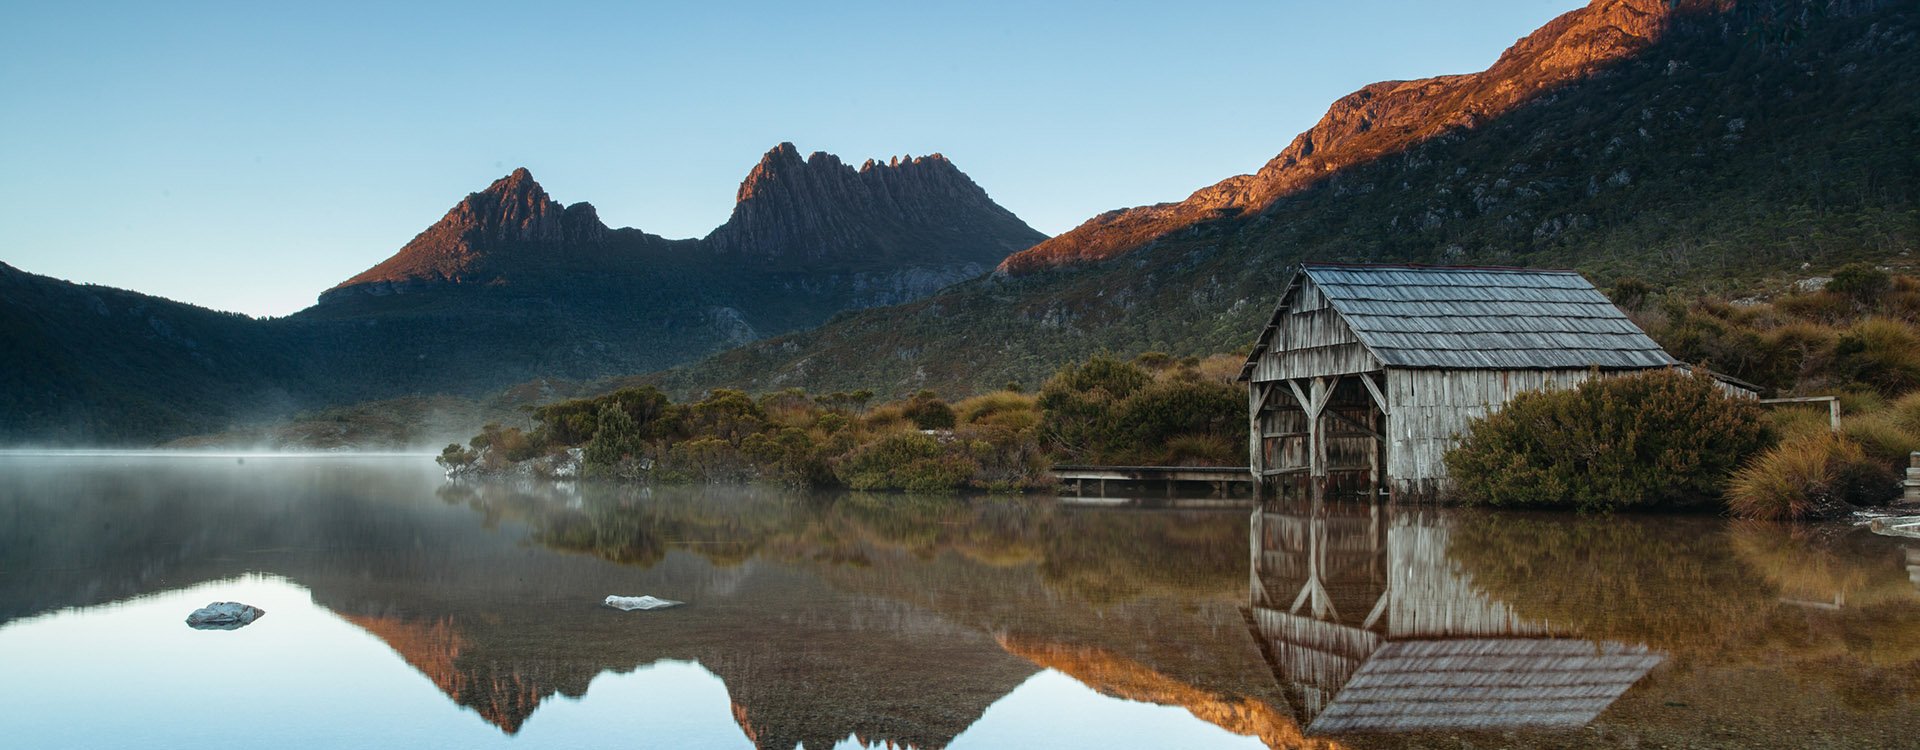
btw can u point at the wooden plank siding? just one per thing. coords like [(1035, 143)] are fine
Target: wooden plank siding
[(1432, 409), (1312, 340), (1365, 376)]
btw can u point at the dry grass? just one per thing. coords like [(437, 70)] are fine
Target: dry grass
[(1883, 436), (1006, 409), (1802, 477)]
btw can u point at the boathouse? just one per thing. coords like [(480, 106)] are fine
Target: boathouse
[(1367, 374)]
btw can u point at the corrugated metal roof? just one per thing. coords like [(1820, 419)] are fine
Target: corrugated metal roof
[(1484, 318)]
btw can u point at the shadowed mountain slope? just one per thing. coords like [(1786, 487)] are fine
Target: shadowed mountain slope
[(1707, 147)]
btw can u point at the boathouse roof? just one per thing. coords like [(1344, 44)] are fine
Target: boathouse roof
[(1452, 317)]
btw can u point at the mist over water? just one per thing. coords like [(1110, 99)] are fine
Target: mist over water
[(404, 609)]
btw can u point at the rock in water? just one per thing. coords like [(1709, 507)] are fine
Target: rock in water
[(224, 616), (631, 603)]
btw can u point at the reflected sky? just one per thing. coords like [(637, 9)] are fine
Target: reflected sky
[(405, 610)]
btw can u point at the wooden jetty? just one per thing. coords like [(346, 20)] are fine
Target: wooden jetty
[(1222, 481)]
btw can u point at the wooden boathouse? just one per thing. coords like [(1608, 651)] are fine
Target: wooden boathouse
[(1367, 374)]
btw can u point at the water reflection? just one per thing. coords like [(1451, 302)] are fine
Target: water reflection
[(929, 622), (1372, 628)]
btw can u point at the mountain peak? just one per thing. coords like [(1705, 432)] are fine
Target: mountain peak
[(513, 211), (821, 207)]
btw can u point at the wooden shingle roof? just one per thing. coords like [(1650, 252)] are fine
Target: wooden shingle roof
[(1437, 317), (1484, 318), (1484, 684)]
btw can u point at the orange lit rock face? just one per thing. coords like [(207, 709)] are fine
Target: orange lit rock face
[(1117, 676), (1380, 119), (504, 697)]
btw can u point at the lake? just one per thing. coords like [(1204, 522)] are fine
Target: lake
[(404, 610)]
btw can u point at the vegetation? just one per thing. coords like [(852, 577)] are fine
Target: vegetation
[(1101, 410), (1151, 411), (1659, 439)]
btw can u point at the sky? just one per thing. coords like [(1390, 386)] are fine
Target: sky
[(247, 156)]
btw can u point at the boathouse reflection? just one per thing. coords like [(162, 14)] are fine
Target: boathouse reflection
[(1369, 626)]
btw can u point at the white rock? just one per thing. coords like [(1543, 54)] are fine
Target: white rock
[(631, 603)]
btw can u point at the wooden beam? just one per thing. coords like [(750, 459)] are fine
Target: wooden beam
[(1363, 428), (1256, 445), (1379, 397), (1322, 393), (1306, 404)]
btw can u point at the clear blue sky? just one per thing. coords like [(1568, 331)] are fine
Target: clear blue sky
[(245, 156)]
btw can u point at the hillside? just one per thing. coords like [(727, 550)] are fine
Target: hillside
[(1693, 146), (508, 287), (92, 363)]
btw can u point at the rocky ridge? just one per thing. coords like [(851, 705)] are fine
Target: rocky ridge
[(1380, 119), (918, 216)]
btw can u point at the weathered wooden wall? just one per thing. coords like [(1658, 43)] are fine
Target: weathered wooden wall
[(1312, 340), (1432, 409)]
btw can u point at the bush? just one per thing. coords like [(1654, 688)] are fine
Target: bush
[(905, 461), (1809, 476), (1007, 409), (1882, 437), (1862, 282), (1660, 439), (928, 412), (1112, 412), (1881, 353)]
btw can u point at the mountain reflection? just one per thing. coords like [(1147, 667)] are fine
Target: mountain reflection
[(901, 620)]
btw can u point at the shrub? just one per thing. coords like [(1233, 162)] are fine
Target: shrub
[(1108, 411), (1655, 439), (1144, 423), (1882, 437), (1884, 354), (1808, 476), (1785, 422), (904, 461), (1202, 450), (928, 412), (1630, 293), (1905, 412), (1862, 282)]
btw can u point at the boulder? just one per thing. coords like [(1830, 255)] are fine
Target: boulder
[(224, 616)]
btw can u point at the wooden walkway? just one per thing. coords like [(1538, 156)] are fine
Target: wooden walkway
[(1220, 479)]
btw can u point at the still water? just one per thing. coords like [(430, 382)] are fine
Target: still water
[(406, 611)]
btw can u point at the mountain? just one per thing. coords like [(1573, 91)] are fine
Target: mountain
[(84, 362), (1703, 146), (511, 285), (508, 287), (1378, 120)]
